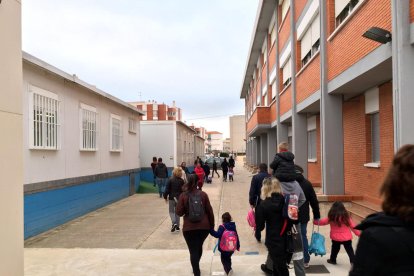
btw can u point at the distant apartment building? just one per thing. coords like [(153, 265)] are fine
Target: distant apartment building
[(237, 134), (81, 147), (154, 111), (320, 76), (226, 145), (214, 141)]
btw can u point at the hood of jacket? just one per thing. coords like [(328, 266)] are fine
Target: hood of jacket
[(287, 155), (381, 219), (276, 202), (231, 226), (161, 165)]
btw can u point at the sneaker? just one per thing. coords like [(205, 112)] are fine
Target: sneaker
[(306, 265), (331, 262), (173, 227), (177, 228), (230, 272), (264, 268)]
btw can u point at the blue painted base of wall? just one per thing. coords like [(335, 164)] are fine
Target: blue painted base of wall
[(147, 175), (49, 209)]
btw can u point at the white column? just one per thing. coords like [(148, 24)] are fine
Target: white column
[(11, 140)]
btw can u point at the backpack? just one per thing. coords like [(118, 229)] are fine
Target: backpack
[(195, 207), (228, 241), (251, 220), (290, 208)]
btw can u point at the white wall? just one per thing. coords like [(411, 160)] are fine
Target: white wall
[(11, 161), (69, 161), (217, 142), (185, 153), (157, 138)]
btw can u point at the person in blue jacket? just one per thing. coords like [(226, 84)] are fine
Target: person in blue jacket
[(229, 225)]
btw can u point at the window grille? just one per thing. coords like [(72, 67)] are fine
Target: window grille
[(89, 128), (132, 126), (375, 137), (116, 133), (44, 119), (312, 144)]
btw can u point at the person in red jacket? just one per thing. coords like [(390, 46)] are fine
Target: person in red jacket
[(199, 171)]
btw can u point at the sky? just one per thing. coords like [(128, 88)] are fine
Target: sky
[(190, 51)]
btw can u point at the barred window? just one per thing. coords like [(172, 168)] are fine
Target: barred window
[(375, 137), (132, 126), (89, 129), (312, 144), (116, 133), (44, 119)]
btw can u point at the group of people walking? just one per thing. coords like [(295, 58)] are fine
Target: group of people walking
[(386, 243)]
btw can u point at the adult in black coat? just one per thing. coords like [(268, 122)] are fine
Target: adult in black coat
[(232, 163), (255, 190), (386, 245), (312, 200), (269, 213), (206, 169), (225, 169), (283, 166), (172, 192)]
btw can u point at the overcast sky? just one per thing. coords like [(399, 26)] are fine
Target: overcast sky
[(190, 51)]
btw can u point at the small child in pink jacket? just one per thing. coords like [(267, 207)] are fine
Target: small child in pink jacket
[(341, 227)]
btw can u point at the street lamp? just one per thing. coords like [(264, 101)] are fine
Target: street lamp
[(379, 35)]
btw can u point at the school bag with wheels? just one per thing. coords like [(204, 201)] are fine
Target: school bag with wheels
[(317, 244), (195, 207), (228, 241), (290, 208)]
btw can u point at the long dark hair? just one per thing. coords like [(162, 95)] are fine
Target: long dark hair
[(338, 214), (191, 182), (398, 187)]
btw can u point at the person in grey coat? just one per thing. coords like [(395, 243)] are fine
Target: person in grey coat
[(161, 176)]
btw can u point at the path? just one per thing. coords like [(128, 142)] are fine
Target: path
[(132, 237)]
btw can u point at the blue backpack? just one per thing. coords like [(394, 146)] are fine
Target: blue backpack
[(317, 244)]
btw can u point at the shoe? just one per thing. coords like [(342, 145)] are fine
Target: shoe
[(331, 262), (289, 266), (230, 272), (173, 227), (177, 228), (306, 265), (264, 268)]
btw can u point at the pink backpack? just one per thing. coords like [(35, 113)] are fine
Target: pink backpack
[(251, 220), (228, 241)]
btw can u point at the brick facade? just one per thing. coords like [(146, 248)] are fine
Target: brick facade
[(286, 100), (361, 180), (411, 11), (284, 32), (308, 81), (341, 52)]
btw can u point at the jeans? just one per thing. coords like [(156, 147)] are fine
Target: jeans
[(161, 182), (195, 240), (306, 256), (175, 219), (226, 261), (336, 246)]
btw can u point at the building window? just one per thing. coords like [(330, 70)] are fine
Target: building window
[(287, 73), (290, 141), (309, 44), (44, 119), (285, 8), (343, 8), (265, 102), (88, 126), (116, 133), (132, 126), (312, 145), (264, 52), (273, 90), (375, 137)]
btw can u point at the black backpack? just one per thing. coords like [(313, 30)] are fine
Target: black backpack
[(195, 207)]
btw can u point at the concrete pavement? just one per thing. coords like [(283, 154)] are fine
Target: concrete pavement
[(132, 237)]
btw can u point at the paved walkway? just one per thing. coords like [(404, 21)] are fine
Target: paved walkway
[(132, 237)]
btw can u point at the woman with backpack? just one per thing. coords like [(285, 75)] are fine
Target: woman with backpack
[(228, 241), (270, 213), (198, 214), (386, 245)]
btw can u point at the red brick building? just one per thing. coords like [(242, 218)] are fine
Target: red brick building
[(342, 101), (158, 112)]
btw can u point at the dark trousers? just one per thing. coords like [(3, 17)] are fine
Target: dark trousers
[(226, 261), (215, 170), (279, 263), (336, 245), (195, 240), (225, 175)]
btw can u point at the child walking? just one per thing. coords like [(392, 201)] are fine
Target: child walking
[(231, 173), (227, 235), (341, 227)]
